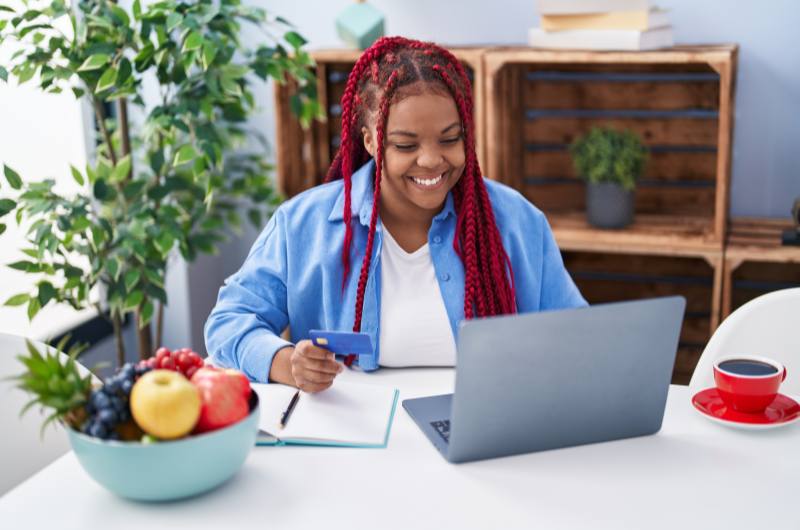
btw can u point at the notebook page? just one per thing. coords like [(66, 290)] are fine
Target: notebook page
[(347, 413)]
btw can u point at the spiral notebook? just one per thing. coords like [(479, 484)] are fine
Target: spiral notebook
[(346, 415)]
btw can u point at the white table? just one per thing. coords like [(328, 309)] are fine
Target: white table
[(692, 474)]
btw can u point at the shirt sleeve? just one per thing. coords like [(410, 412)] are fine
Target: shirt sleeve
[(243, 331), (558, 289)]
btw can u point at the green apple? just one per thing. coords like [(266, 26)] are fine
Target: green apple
[(165, 404)]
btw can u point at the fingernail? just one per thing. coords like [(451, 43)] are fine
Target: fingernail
[(341, 368), (330, 356)]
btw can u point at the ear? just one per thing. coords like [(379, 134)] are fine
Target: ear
[(370, 143)]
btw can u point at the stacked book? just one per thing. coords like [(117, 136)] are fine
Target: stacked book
[(627, 25)]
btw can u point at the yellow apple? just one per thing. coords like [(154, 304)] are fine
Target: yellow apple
[(165, 404)]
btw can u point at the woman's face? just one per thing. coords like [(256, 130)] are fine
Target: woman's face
[(424, 153)]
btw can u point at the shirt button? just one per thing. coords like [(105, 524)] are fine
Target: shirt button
[(437, 239), (445, 277)]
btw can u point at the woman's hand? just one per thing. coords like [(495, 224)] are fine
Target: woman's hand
[(305, 366)]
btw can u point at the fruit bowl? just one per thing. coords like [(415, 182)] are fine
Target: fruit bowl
[(168, 470)]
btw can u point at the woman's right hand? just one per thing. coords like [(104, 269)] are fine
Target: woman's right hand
[(305, 366)]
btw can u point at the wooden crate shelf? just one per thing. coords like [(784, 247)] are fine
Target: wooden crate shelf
[(679, 100), (603, 278), (756, 262), (305, 156)]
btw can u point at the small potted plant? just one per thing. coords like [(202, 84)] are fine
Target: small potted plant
[(610, 162)]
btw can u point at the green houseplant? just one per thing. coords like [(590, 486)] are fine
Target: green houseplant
[(610, 162), (187, 178)]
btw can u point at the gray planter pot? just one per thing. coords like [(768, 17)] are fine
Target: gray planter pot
[(609, 205)]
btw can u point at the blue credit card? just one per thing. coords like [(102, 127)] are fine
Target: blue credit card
[(342, 342)]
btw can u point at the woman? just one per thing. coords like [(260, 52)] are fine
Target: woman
[(437, 243)]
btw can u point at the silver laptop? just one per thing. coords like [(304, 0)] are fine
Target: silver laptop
[(540, 381)]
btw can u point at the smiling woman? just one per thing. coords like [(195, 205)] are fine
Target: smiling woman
[(437, 242)]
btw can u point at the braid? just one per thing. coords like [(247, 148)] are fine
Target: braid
[(390, 65), (381, 127)]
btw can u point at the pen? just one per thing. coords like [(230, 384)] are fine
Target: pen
[(285, 415)]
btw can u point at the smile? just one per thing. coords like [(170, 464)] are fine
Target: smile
[(427, 182)]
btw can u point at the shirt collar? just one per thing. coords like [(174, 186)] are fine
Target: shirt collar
[(362, 198)]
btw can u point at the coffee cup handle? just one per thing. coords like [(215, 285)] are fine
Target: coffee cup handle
[(784, 375)]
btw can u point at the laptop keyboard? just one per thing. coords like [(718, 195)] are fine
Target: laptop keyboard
[(443, 428)]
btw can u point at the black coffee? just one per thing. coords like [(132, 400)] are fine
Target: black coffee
[(741, 367)]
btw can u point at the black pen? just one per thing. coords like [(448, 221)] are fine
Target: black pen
[(285, 415)]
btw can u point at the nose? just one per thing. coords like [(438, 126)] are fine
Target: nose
[(430, 158)]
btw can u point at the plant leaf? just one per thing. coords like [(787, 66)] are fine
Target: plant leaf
[(121, 170), (119, 13), (12, 177), (132, 278), (184, 155), (193, 41), (77, 175), (6, 205), (94, 62), (33, 308), (294, 39), (108, 79), (112, 266), (146, 314), (18, 300), (173, 21), (46, 293), (134, 299)]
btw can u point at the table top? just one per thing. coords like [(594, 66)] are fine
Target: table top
[(693, 473)]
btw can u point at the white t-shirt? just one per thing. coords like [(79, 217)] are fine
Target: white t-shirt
[(415, 330)]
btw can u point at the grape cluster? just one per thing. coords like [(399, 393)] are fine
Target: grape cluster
[(184, 361), (108, 407)]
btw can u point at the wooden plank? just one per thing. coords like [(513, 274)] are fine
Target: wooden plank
[(677, 55), (495, 142), (727, 71), (647, 265), (609, 95), (672, 167), (570, 195), (664, 235), (674, 132)]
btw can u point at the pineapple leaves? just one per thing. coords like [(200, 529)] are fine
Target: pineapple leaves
[(55, 385)]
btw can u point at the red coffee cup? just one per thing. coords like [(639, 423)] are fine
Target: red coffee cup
[(743, 391)]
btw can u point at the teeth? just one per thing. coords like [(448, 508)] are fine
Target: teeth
[(429, 182)]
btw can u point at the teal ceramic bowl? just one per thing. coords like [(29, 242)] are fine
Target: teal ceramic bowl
[(168, 470)]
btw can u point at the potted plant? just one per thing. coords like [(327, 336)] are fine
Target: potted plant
[(610, 162), (190, 176)]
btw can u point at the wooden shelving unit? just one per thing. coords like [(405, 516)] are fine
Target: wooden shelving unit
[(756, 262), (679, 100), (305, 156)]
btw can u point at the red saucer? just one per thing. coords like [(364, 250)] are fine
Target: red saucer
[(782, 411)]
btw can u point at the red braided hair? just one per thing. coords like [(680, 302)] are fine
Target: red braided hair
[(386, 69)]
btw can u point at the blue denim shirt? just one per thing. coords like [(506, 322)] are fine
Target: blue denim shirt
[(294, 272)]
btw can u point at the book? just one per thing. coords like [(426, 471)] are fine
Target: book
[(346, 414), (641, 20), (578, 7), (602, 39)]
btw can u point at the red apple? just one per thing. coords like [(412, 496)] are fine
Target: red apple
[(221, 400), (241, 381)]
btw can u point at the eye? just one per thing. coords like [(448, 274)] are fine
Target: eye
[(405, 147), (451, 141)]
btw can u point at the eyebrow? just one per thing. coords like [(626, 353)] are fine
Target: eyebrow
[(412, 135)]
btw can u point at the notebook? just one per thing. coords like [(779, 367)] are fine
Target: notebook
[(345, 415)]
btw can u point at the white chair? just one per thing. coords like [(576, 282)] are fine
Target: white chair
[(768, 326), (22, 451)]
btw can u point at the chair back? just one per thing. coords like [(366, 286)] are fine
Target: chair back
[(768, 326)]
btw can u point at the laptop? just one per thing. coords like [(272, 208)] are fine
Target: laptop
[(540, 381)]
